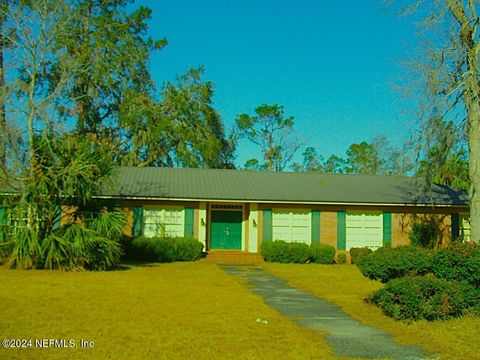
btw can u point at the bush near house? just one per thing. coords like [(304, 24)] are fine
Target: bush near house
[(323, 254), (5, 250), (286, 252), (460, 262), (358, 253), (427, 297), (341, 258), (423, 235), (92, 245), (167, 249), (280, 251), (389, 263)]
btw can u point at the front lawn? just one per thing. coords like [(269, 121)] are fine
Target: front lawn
[(345, 286), (166, 311)]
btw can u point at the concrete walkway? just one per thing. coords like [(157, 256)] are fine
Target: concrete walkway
[(348, 337)]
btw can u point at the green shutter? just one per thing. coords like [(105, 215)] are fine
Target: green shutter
[(189, 214), (315, 227), (57, 222), (267, 225), (455, 227), (137, 227), (341, 230), (387, 229), (3, 224)]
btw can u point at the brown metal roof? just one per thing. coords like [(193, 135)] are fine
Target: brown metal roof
[(238, 185)]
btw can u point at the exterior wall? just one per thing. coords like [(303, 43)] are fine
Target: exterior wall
[(128, 227), (252, 223), (402, 226), (402, 219), (259, 229)]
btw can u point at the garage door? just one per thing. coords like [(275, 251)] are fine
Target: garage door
[(465, 227), (291, 225), (364, 229)]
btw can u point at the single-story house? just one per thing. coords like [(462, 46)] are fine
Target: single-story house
[(239, 210)]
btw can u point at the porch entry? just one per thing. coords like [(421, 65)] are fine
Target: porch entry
[(226, 229)]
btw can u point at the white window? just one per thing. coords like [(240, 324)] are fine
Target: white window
[(165, 221), (364, 229), (291, 225), (465, 227)]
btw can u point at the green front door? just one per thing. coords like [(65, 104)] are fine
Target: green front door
[(226, 230)]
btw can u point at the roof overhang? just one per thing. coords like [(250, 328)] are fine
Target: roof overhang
[(143, 198)]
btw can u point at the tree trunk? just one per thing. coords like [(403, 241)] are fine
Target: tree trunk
[(472, 106), (473, 118), (468, 28), (3, 121)]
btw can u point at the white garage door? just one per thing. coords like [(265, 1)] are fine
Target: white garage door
[(291, 225), (465, 227), (364, 229)]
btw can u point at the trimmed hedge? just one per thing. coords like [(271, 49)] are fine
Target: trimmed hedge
[(323, 254), (286, 252), (390, 263), (163, 249), (458, 263), (429, 298), (358, 253), (281, 251)]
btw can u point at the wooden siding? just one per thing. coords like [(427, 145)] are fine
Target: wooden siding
[(328, 228)]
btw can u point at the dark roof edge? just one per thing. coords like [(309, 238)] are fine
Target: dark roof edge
[(291, 202)]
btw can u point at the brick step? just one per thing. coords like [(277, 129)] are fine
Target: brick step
[(228, 257)]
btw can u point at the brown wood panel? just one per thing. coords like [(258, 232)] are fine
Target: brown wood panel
[(328, 228), (127, 228)]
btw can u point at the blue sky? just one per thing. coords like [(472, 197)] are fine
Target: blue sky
[(332, 65)]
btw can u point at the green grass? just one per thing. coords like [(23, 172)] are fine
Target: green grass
[(167, 311), (345, 286)]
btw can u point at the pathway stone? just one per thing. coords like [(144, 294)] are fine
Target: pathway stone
[(348, 337)]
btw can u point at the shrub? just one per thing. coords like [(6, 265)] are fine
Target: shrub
[(426, 297), (163, 249), (460, 262), (286, 252), (93, 246), (358, 253), (389, 263), (76, 247), (6, 249), (180, 249), (423, 235), (341, 258), (323, 254)]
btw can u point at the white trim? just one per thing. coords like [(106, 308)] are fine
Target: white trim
[(202, 227), (253, 229)]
